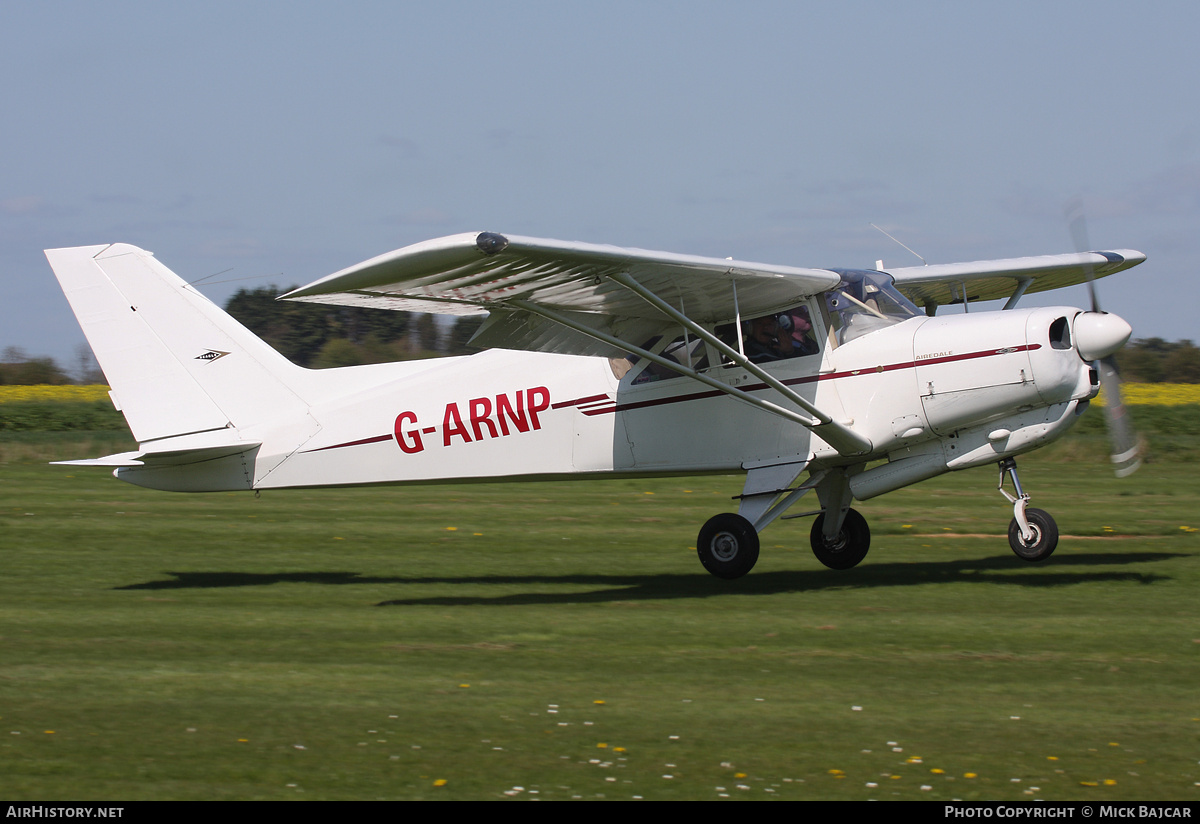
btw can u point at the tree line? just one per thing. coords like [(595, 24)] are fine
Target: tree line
[(1154, 360), (18, 368), (321, 336), (308, 334)]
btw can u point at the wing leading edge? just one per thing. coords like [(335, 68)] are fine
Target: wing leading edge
[(949, 283), (479, 272), (476, 272), (590, 299)]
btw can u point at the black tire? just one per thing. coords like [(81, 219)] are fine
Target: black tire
[(850, 546), (1045, 536), (727, 546)]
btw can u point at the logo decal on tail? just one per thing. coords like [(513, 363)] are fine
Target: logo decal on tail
[(211, 355)]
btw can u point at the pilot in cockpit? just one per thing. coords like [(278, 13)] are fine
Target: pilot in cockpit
[(778, 337), (768, 340)]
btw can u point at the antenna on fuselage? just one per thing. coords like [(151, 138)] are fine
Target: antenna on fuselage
[(923, 261)]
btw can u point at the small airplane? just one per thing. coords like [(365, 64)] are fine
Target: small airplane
[(606, 362)]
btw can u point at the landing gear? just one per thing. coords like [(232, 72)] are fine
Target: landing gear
[(1032, 534), (1045, 536), (727, 546), (848, 547)]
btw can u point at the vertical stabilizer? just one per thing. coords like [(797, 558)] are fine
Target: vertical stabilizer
[(176, 362)]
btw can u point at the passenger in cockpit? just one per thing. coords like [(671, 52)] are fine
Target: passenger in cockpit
[(799, 325)]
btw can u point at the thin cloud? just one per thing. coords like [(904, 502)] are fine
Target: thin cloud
[(234, 247), (843, 188), (404, 146), (119, 199), (28, 205), (427, 216), (1172, 191)]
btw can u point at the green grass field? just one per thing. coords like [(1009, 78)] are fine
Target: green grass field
[(562, 641)]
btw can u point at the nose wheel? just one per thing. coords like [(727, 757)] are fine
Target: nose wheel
[(1032, 533), (1045, 536)]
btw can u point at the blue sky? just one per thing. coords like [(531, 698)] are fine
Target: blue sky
[(279, 142)]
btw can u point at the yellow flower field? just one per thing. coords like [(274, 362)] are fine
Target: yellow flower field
[(1136, 394), (1159, 394), (95, 392)]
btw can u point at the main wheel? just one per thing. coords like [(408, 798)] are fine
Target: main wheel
[(1045, 536), (848, 548), (727, 545)]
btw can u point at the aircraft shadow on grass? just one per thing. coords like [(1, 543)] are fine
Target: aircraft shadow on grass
[(1061, 571)]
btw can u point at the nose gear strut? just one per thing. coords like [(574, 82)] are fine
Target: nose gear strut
[(1009, 466), (1032, 534)]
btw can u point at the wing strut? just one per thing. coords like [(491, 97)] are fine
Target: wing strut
[(1022, 285), (840, 437), (674, 366)]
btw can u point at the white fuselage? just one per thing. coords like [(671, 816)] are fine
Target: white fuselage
[(931, 395)]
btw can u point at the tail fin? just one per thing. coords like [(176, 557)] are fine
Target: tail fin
[(176, 363)]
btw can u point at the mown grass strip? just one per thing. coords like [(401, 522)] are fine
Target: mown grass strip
[(560, 641)]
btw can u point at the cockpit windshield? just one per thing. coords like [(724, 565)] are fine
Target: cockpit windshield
[(865, 301)]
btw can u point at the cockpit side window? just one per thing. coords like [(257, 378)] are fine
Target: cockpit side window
[(684, 349), (779, 336), (775, 337)]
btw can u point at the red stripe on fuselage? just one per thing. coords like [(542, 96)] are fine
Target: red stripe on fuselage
[(597, 409), (579, 401), (850, 373), (376, 439)]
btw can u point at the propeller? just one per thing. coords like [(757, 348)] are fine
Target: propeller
[(1103, 334)]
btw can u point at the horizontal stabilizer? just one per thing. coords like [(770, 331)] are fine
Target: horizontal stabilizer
[(173, 457)]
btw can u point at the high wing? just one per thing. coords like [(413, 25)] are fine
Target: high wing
[(949, 283), (476, 272), (588, 299)]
